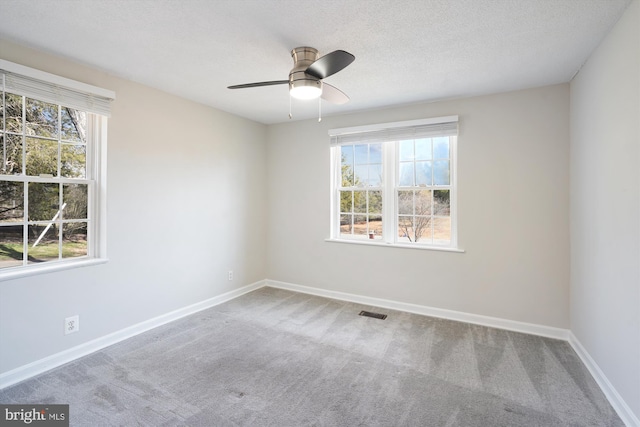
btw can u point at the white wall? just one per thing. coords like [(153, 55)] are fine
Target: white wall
[(605, 207), (186, 197), (513, 212)]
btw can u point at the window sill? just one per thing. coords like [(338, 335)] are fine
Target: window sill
[(18, 272), (396, 245)]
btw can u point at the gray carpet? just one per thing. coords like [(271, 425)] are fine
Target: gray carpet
[(278, 358)]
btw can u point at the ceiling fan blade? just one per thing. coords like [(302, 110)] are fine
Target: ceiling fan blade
[(333, 94), (330, 64), (275, 82)]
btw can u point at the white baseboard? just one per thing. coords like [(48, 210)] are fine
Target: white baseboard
[(494, 322), (610, 392), (39, 366), (618, 403)]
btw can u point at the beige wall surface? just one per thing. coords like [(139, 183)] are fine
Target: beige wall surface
[(605, 207), (186, 195), (513, 206)]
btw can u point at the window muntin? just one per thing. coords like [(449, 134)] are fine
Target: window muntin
[(410, 201)]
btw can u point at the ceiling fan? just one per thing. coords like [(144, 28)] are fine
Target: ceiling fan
[(305, 78)]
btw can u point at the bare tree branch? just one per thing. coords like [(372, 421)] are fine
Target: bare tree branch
[(77, 121)]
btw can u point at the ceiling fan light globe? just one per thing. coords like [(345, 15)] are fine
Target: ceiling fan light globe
[(306, 92), (304, 88)]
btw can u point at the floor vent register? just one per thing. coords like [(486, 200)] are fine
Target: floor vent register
[(374, 315)]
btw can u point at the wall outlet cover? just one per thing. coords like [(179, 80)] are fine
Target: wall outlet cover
[(71, 324)]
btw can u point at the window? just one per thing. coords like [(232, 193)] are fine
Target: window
[(360, 190), (52, 186), (394, 183)]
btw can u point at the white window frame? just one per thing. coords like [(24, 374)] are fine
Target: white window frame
[(389, 134), (37, 84)]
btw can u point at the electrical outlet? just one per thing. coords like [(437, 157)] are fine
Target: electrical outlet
[(71, 324), (230, 274)]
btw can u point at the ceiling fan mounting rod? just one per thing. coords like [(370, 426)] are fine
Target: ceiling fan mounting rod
[(304, 56)]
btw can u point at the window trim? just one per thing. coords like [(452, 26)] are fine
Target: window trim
[(51, 267), (96, 162), (395, 245), (390, 202)]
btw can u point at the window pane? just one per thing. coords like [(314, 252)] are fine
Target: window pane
[(346, 201), (43, 201), (442, 230), (346, 154), (406, 150), (346, 159), (405, 228), (361, 176), (43, 243), (11, 201), (406, 174), (405, 202), (360, 201), (42, 118), (441, 203), (441, 148), (375, 202), (375, 153), (423, 174), (74, 240), (73, 161), (42, 157), (11, 246), (74, 125), (441, 172), (13, 113), (12, 163), (360, 225), (375, 176), (375, 227), (362, 154), (347, 176), (422, 229), (423, 202), (346, 227), (75, 198), (423, 149)]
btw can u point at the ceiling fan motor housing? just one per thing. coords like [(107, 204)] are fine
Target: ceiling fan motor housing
[(303, 57)]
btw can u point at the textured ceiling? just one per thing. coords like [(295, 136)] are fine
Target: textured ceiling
[(406, 51)]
